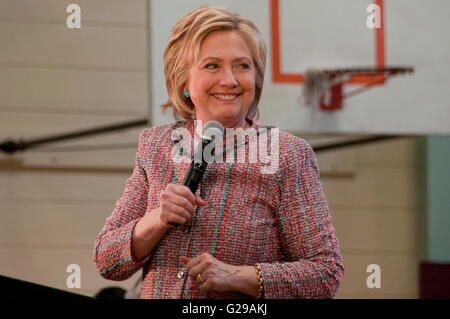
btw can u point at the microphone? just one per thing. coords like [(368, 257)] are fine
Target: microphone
[(200, 162)]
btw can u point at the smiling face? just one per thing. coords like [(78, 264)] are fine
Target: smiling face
[(221, 81)]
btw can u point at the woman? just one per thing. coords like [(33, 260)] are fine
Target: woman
[(243, 234)]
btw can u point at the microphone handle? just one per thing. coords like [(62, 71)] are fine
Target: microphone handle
[(195, 172), (194, 175)]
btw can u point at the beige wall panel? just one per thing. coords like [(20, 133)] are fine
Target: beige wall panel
[(73, 92), (371, 230), (396, 153), (48, 267), (107, 151), (370, 187), (54, 80), (340, 163), (32, 126), (88, 46), (51, 225), (322, 139), (344, 162), (398, 274), (121, 136), (58, 187), (117, 11), (101, 159), (119, 159)]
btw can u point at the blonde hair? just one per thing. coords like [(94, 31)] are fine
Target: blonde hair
[(184, 46)]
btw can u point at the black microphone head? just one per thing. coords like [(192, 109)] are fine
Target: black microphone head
[(213, 128)]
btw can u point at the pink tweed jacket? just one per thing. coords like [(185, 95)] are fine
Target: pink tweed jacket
[(279, 221)]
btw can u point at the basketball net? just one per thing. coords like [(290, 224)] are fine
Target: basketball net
[(316, 86)]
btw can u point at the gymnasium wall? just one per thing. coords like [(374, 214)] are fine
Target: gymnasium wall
[(54, 202)]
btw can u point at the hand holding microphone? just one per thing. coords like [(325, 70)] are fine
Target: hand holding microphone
[(178, 204), (195, 173)]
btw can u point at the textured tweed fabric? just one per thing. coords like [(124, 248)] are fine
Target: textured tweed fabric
[(279, 221)]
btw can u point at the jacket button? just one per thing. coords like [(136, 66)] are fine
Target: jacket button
[(180, 274), (186, 229)]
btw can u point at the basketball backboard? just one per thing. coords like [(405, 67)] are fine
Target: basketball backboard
[(301, 35), (282, 76)]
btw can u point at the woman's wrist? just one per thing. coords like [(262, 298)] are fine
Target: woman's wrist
[(146, 234), (246, 281), (149, 224)]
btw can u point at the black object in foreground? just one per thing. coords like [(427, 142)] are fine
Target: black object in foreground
[(14, 289)]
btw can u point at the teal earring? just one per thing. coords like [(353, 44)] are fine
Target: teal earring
[(186, 93)]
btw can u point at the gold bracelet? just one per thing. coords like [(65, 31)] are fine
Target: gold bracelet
[(260, 282)]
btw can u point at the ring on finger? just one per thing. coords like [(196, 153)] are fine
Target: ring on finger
[(199, 278)]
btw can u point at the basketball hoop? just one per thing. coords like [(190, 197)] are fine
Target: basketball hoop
[(323, 88)]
